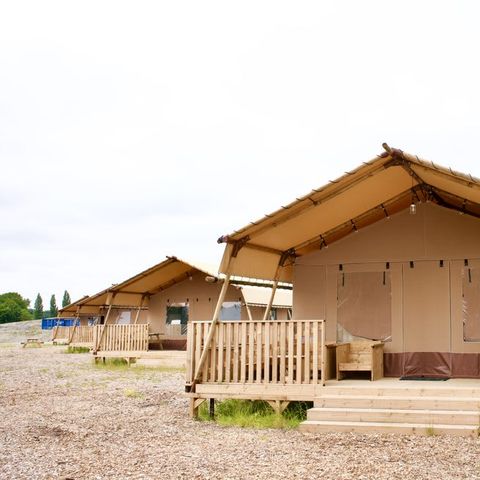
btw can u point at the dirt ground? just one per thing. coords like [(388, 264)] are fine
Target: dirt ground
[(64, 418)]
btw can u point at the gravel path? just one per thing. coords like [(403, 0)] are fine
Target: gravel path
[(64, 418)]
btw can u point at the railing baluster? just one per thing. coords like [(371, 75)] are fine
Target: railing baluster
[(307, 353), (282, 352), (251, 351), (243, 354)]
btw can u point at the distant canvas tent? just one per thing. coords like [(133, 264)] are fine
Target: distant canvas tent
[(166, 297)]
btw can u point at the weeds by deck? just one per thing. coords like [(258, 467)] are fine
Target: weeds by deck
[(71, 349), (132, 393), (255, 414)]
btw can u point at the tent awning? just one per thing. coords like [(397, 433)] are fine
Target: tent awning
[(260, 296), (373, 191)]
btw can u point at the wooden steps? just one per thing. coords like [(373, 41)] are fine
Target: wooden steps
[(429, 410), (384, 427)]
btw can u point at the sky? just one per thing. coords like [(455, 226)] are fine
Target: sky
[(134, 130)]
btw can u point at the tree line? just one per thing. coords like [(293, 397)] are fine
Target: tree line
[(15, 308)]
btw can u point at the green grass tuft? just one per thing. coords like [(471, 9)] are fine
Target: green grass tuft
[(113, 364), (132, 393), (71, 349), (255, 414)]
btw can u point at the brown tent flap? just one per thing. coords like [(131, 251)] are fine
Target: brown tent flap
[(432, 364)]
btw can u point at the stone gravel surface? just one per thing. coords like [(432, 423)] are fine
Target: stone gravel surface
[(61, 417)]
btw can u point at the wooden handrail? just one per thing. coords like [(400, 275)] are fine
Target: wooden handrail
[(256, 351)]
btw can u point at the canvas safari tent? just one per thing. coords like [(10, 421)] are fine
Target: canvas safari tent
[(158, 303), (390, 251)]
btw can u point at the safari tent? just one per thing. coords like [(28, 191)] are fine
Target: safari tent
[(387, 256), (151, 310)]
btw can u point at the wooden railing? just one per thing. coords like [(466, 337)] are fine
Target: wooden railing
[(81, 335), (176, 330), (120, 338), (263, 352), (61, 334)]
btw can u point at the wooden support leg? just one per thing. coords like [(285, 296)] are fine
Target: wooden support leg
[(194, 404), (211, 410), (278, 406)]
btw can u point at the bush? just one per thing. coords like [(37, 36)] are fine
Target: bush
[(77, 350), (255, 414)]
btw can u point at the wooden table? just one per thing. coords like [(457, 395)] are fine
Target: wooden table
[(32, 341)]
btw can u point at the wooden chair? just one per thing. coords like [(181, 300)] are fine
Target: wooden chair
[(361, 356)]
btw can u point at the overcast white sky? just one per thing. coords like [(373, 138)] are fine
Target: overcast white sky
[(134, 130)]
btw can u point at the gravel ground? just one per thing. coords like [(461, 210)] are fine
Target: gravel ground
[(17, 332), (64, 418)]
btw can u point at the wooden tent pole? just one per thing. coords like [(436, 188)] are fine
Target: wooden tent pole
[(77, 320), (249, 312), (139, 310), (274, 289), (211, 333), (100, 338)]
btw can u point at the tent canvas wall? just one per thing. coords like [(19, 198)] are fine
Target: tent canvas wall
[(403, 280)]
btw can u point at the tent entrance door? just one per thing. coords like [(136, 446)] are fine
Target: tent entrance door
[(426, 318)]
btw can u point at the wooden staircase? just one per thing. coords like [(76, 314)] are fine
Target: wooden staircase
[(406, 409)]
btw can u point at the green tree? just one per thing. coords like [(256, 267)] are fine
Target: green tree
[(53, 306), (66, 299), (38, 307), (14, 308)]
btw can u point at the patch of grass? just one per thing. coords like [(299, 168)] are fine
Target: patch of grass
[(430, 431), (71, 349), (113, 364), (132, 393), (255, 414)]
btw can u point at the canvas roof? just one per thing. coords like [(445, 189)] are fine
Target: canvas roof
[(128, 294), (377, 189), (260, 296)]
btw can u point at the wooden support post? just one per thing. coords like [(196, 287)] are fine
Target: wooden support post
[(194, 405), (249, 312), (95, 347), (211, 333), (270, 302), (274, 288), (278, 406), (211, 409), (139, 310), (77, 320)]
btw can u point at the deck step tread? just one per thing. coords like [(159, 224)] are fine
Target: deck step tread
[(388, 424), (394, 410), (396, 397)]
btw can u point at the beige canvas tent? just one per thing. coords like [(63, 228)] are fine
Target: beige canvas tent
[(389, 251), (169, 295)]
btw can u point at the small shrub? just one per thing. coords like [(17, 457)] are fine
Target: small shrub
[(430, 431), (113, 364), (132, 393), (255, 414), (71, 349)]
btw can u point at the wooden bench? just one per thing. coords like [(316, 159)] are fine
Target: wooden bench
[(360, 356), (32, 342)]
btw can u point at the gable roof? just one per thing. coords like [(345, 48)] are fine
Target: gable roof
[(377, 189), (129, 292)]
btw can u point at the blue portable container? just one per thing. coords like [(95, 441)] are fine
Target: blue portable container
[(49, 323)]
